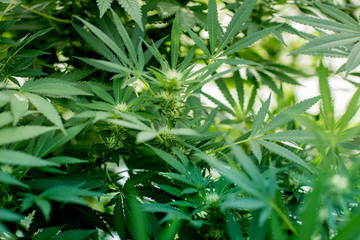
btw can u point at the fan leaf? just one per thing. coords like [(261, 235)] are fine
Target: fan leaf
[(236, 22), (103, 6), (132, 7)]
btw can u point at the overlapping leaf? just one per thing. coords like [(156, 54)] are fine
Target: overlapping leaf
[(341, 44), (262, 136)]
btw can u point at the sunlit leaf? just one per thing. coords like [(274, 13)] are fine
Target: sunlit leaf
[(22, 159), (16, 134)]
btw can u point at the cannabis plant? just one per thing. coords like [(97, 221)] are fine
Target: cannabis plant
[(108, 128)]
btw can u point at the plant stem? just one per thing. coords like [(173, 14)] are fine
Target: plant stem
[(227, 146), (284, 218), (147, 85), (44, 15), (7, 9)]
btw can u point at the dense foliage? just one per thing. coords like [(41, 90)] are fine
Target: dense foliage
[(107, 126)]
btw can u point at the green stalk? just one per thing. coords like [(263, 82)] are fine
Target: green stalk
[(229, 145), (283, 217), (7, 9), (44, 15)]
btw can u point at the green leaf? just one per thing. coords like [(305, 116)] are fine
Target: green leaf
[(73, 194), (47, 233), (46, 108), (188, 191), (237, 22), (53, 87), (182, 204), (280, 75), (288, 114), (290, 135), (255, 148), (277, 233), (178, 177), (28, 73), (187, 60), (8, 179), (108, 41), (234, 176), (312, 204), (351, 230), (209, 120), (167, 8), (17, 134), (22, 159), (183, 131), (269, 81), (153, 48), (171, 231), (107, 66), (117, 90), (141, 57), (349, 134), (6, 24), (324, 24), (244, 203), (239, 86), (225, 92), (149, 53), (260, 117), (125, 37), (45, 207), (132, 7), (248, 165), (137, 125), (281, 151), (96, 44), (9, 216), (74, 234), (198, 42), (103, 6), (354, 58), (146, 136), (329, 41), (185, 161), (170, 189), (251, 101), (139, 33), (4, 99), (175, 42), (219, 104), (206, 70), (118, 216), (102, 93), (325, 92), (107, 25), (213, 24), (27, 39), (102, 106), (75, 75), (248, 40), (66, 160), (31, 53), (236, 61), (233, 227), (350, 112), (173, 162), (50, 144), (202, 80), (338, 15), (19, 106)]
